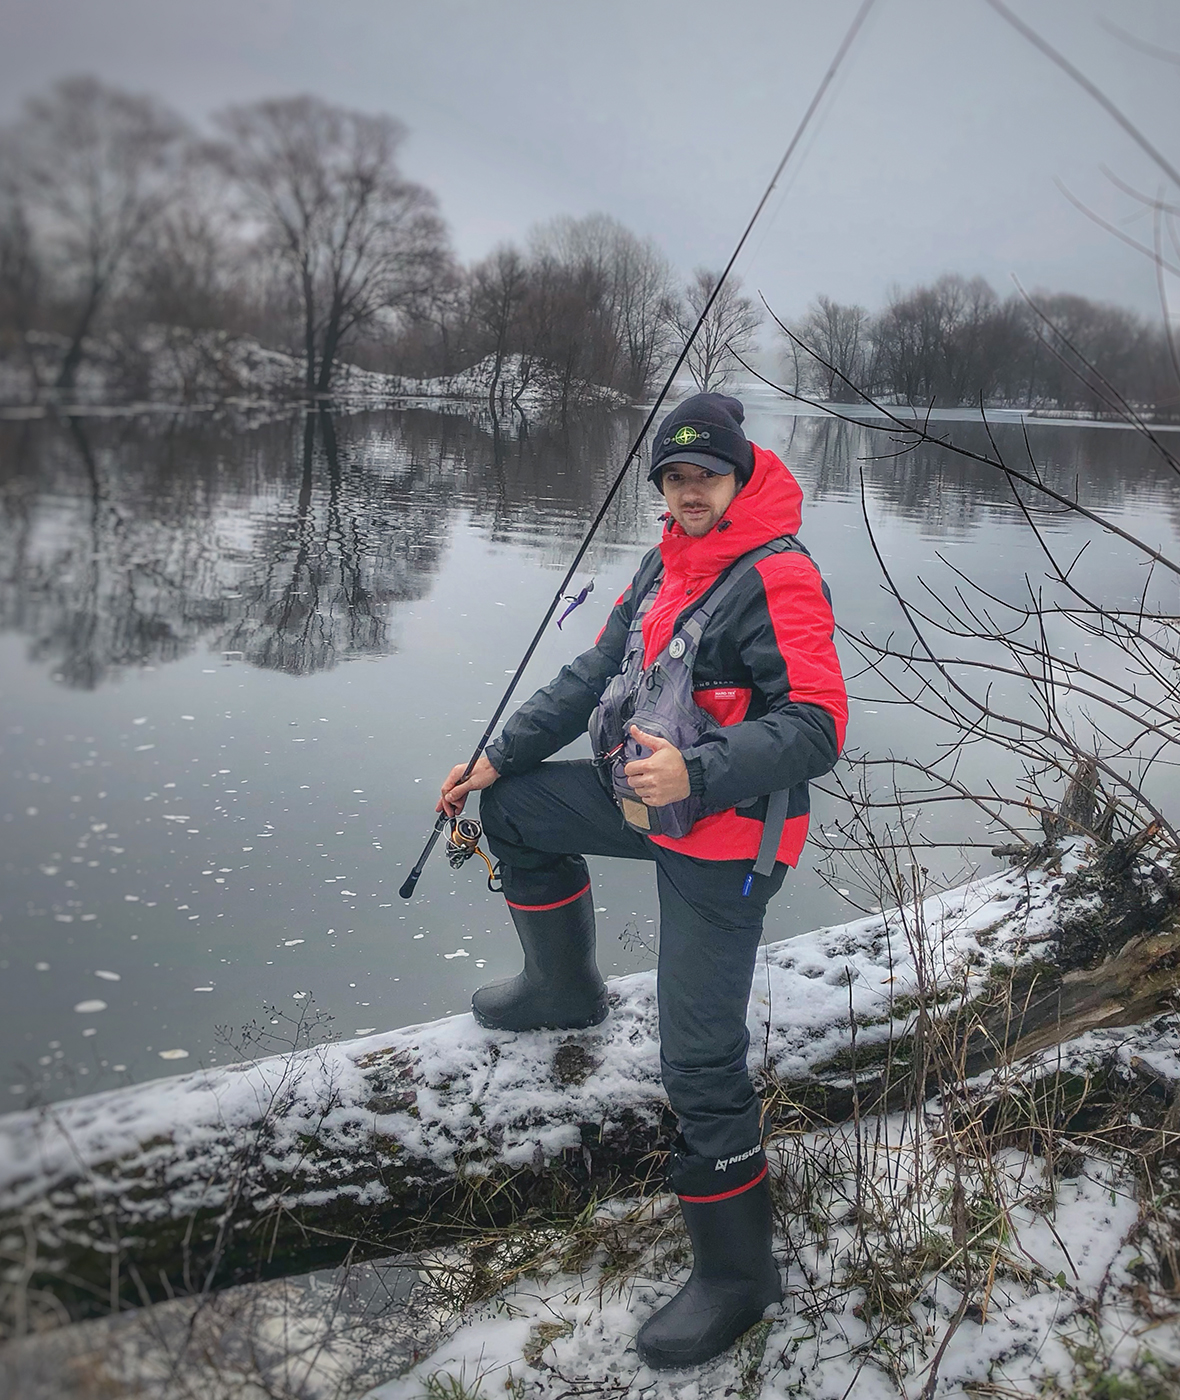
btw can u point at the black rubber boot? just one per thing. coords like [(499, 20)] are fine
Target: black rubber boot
[(726, 1206), (560, 987)]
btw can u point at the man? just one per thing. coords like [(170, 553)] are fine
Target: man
[(721, 810)]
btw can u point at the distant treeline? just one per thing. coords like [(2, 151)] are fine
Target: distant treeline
[(956, 341), (292, 223), (295, 225)]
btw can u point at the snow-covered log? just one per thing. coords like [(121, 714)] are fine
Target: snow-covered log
[(385, 1143)]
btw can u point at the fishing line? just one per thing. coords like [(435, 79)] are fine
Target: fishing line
[(407, 889), (788, 187)]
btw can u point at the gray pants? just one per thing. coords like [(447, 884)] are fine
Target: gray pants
[(541, 824)]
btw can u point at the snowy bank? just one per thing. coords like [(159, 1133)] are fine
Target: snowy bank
[(293, 1159), (171, 366), (1060, 1289)]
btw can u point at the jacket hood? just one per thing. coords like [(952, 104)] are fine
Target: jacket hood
[(768, 506)]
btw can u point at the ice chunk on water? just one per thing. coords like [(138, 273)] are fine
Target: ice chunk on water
[(107, 976), (89, 1008), (176, 1054)]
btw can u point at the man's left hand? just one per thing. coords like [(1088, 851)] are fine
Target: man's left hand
[(660, 778)]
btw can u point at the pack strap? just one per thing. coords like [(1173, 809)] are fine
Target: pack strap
[(778, 803), (694, 627), (635, 631), (776, 818)]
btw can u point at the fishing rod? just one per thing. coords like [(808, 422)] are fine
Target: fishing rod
[(411, 880)]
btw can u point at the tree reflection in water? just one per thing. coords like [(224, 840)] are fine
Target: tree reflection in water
[(123, 548), (332, 561), (132, 543)]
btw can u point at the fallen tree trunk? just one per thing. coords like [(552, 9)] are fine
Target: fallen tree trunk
[(396, 1141)]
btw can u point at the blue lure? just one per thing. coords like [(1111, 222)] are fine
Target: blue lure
[(575, 600)]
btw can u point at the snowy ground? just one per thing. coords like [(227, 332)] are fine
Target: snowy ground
[(460, 1094), (879, 1247), (1060, 1280), (1066, 1300), (168, 366)]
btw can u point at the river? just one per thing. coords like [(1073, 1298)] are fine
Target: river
[(237, 657)]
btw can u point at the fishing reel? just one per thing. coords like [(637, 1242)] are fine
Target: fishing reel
[(463, 842)]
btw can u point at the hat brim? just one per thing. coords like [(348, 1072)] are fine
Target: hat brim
[(717, 465)]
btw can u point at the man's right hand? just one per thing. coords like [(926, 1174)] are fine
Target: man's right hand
[(454, 792)]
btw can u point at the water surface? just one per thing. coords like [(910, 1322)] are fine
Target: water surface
[(235, 662)]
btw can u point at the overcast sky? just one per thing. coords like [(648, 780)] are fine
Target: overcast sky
[(939, 149)]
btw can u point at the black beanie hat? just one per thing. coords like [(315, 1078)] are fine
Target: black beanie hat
[(704, 431)]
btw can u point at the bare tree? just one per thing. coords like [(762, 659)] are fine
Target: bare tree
[(727, 330), (954, 342), (21, 272), (354, 235), (950, 342), (442, 311), (498, 288), (97, 168), (910, 339), (644, 295), (625, 283), (194, 271), (1078, 346), (841, 335), (573, 265)]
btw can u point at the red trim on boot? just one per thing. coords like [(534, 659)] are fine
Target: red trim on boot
[(540, 908), (725, 1195)]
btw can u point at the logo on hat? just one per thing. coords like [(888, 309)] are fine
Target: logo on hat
[(683, 436)]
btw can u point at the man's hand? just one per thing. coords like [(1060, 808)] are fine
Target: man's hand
[(454, 792), (660, 778)]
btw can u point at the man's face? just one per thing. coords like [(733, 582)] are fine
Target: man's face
[(697, 498)]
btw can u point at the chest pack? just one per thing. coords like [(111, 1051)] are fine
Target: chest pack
[(659, 700)]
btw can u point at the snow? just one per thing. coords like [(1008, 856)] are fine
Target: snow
[(478, 1097), (172, 366), (450, 1097), (1062, 1292)]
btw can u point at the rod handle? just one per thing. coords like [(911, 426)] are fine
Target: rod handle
[(407, 889), (411, 880)]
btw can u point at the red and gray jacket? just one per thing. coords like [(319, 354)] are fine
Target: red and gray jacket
[(766, 670)]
